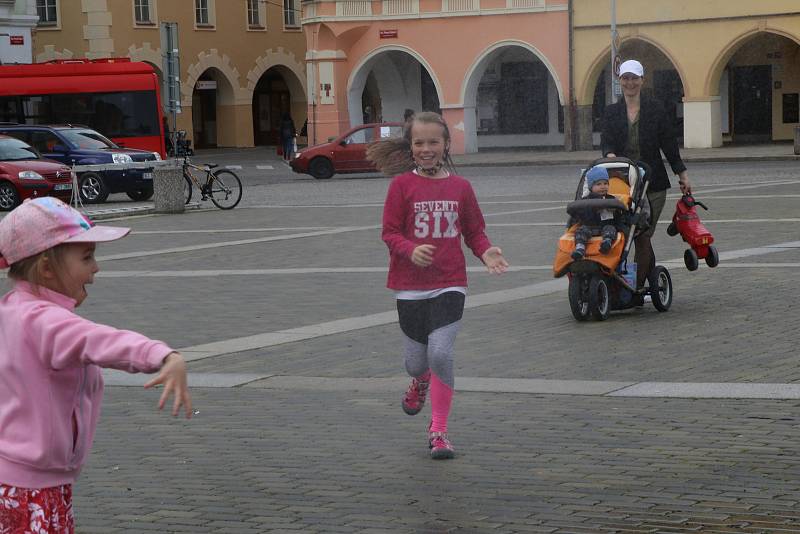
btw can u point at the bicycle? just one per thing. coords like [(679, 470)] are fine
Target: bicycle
[(221, 186)]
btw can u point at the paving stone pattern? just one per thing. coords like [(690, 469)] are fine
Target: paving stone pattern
[(263, 458)]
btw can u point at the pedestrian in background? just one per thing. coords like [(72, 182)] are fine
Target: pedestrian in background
[(287, 133), (51, 385), (639, 129), (427, 211), (408, 114)]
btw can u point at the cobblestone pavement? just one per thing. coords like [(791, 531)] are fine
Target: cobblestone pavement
[(313, 438)]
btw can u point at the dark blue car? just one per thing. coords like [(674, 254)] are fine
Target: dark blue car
[(78, 145)]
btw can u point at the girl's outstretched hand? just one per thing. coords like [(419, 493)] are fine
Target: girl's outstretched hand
[(423, 255), (173, 376), (494, 260)]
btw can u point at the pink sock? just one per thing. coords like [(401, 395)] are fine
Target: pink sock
[(441, 398)]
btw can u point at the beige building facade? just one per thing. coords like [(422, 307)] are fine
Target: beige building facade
[(729, 69), (242, 63)]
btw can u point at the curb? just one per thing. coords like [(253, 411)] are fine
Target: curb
[(573, 161)]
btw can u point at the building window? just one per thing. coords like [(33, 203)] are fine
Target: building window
[(291, 14), (47, 11), (201, 12), (142, 11), (253, 18)]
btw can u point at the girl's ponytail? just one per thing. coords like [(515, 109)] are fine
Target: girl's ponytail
[(392, 156)]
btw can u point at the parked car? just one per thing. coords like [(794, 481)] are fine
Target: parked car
[(78, 145), (344, 154), (25, 174)]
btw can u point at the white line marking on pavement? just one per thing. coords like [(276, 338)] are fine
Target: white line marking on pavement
[(233, 167), (231, 230), (532, 386), (208, 350), (299, 270), (191, 248), (264, 167), (269, 339)]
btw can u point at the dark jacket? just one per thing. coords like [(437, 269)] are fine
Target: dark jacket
[(656, 134), (287, 130)]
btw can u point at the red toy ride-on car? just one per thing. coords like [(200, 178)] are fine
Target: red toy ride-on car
[(687, 223)]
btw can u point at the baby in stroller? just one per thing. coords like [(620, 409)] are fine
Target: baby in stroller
[(591, 221), (610, 202)]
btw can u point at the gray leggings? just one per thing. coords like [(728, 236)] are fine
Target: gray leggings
[(437, 355), (430, 327)]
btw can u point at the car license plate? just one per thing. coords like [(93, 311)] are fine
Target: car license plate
[(147, 176), (62, 187)]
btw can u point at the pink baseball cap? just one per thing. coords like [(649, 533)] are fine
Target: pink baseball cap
[(42, 223)]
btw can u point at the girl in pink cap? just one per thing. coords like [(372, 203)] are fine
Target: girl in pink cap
[(51, 385)]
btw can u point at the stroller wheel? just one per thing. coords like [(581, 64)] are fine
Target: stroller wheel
[(599, 303), (579, 296), (690, 259), (672, 230), (712, 258), (660, 283)]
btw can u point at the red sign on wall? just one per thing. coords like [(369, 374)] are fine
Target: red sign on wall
[(17, 39), (387, 34)]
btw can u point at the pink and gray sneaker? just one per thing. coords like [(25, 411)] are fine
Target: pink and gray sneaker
[(414, 398), (441, 448)]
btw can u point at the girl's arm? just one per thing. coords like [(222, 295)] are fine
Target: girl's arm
[(473, 229), (63, 339)]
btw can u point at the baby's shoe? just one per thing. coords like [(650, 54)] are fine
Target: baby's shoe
[(579, 252), (605, 246)]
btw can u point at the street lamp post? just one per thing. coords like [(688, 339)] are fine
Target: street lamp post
[(616, 91)]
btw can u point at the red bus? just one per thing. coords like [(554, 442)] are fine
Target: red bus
[(117, 97)]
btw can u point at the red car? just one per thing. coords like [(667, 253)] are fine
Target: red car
[(344, 154), (26, 174)]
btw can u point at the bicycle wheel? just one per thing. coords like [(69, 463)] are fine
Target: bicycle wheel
[(187, 188), (225, 189)]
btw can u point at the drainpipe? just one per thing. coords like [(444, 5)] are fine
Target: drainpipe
[(615, 88), (573, 108)]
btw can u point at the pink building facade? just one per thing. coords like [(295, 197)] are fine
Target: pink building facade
[(498, 70)]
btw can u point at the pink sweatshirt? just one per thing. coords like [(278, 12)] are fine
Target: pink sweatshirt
[(420, 210), (51, 385)]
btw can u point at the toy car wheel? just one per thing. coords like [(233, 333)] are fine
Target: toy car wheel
[(320, 168), (690, 259), (660, 288), (672, 230), (92, 188), (578, 296), (599, 303), (712, 258)]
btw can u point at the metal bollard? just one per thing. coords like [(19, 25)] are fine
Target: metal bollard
[(797, 140), (168, 189)]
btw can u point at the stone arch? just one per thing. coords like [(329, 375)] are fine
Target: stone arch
[(548, 110), (711, 85), (221, 63), (585, 93), (286, 63), (472, 78), (147, 54), (50, 53), (358, 78)]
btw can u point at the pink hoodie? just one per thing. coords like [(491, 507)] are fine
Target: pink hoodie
[(51, 386)]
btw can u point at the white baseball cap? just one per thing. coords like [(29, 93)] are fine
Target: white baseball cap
[(631, 67)]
